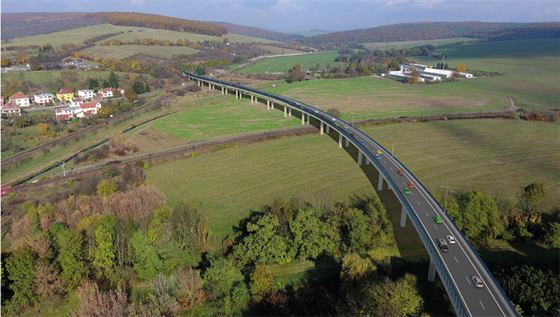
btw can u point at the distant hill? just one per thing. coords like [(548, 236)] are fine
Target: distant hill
[(261, 33), (155, 21), (534, 31), (17, 25), (409, 32)]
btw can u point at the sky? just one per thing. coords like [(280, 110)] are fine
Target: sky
[(328, 15)]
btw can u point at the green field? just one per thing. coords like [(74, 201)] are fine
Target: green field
[(459, 154), (226, 118), (278, 50), (77, 36), (532, 68), (409, 44), (365, 97), (282, 64), (122, 51), (44, 76)]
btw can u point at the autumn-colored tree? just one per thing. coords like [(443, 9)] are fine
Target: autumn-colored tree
[(130, 95), (106, 188), (461, 68), (47, 281), (104, 112), (95, 303), (262, 283), (189, 287), (5, 62), (43, 128), (532, 197)]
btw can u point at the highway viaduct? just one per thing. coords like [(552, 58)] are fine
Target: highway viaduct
[(456, 267)]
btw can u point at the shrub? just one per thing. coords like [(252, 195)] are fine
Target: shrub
[(140, 163)]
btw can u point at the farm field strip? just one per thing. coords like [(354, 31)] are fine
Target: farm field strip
[(282, 64), (122, 51), (458, 154)]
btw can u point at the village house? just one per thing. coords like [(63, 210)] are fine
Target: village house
[(105, 93), (75, 102), (20, 99), (120, 91), (64, 95), (90, 108), (43, 98), (82, 110), (88, 94), (11, 109)]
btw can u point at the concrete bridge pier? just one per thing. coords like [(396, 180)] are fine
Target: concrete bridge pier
[(403, 217), (227, 91), (236, 95), (380, 182), (302, 118), (308, 117), (222, 90), (359, 158), (328, 127), (267, 104), (321, 125), (340, 141), (290, 111), (251, 98), (271, 104), (285, 111), (367, 160), (347, 142), (432, 271)]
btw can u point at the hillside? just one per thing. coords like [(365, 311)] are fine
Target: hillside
[(408, 32), (17, 25), (256, 32), (536, 31)]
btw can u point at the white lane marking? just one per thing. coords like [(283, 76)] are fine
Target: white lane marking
[(391, 168), (384, 161), (418, 202), (404, 183), (456, 260), (466, 254), (435, 226), (427, 214), (481, 304), (468, 279)]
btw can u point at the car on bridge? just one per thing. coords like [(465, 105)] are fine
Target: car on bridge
[(400, 172), (377, 156), (362, 143), (378, 152), (443, 246), (411, 185), (477, 281), (450, 239), (438, 219), (406, 191)]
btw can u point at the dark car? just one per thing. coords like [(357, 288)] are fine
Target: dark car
[(443, 245)]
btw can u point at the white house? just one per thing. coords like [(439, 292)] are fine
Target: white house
[(75, 102), (90, 107), (11, 109), (86, 94), (438, 72), (105, 92), (466, 75), (20, 99), (43, 99)]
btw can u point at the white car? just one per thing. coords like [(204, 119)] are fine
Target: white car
[(477, 281), (450, 239)]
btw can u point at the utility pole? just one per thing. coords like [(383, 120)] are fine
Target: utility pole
[(393, 150)]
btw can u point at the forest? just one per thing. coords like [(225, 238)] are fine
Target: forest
[(261, 33), (102, 236), (155, 21)]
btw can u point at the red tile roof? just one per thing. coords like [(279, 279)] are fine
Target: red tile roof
[(65, 91), (18, 95), (105, 90), (11, 106), (89, 105), (76, 99), (63, 116)]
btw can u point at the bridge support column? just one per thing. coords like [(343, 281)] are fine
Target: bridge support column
[(285, 111), (321, 125), (252, 99), (227, 91), (222, 90), (367, 161), (380, 182), (290, 111), (359, 158), (328, 128), (347, 142), (267, 104), (256, 99), (308, 117), (432, 271), (340, 141), (403, 216), (236, 95), (209, 86), (272, 105), (302, 118)]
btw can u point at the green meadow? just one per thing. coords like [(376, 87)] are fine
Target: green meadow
[(44, 76), (283, 64), (123, 51), (496, 156), (409, 44), (531, 68)]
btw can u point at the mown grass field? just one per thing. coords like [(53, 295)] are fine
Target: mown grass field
[(409, 44), (278, 50), (122, 51), (77, 36), (282, 64), (227, 118), (365, 97), (532, 68), (496, 156)]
